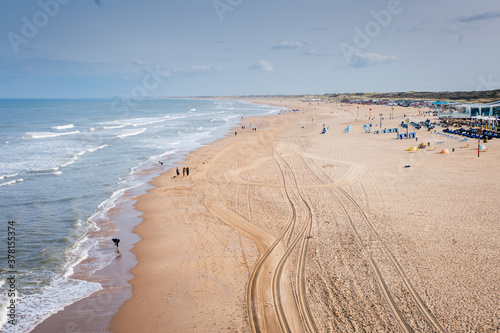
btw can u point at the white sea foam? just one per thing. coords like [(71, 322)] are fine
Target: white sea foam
[(91, 150), (63, 127), (4, 300), (44, 170), (12, 182), (80, 153), (33, 309), (8, 176), (71, 161), (44, 135), (124, 135), (112, 127), (149, 122)]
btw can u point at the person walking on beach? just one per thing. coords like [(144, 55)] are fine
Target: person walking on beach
[(184, 172), (187, 171), (177, 171), (117, 241)]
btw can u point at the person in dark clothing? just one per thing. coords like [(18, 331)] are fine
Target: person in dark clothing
[(187, 171), (116, 241)]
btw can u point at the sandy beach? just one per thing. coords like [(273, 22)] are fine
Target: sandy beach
[(284, 229)]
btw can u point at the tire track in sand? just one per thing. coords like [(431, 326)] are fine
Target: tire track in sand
[(378, 275), (263, 316), (431, 319), (302, 237)]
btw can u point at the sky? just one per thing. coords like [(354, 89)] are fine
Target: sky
[(126, 48)]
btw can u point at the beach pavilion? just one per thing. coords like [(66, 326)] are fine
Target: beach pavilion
[(483, 110), (488, 113)]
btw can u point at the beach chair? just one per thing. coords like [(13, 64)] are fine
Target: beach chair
[(466, 146)]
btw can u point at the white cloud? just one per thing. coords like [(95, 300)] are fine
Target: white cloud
[(263, 65), (489, 14), (288, 45), (360, 60)]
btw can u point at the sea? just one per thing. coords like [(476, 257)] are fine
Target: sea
[(64, 165)]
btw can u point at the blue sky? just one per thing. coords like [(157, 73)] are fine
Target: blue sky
[(107, 48)]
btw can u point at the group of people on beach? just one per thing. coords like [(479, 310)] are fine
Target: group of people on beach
[(185, 172)]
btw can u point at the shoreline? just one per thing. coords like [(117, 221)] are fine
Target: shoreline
[(195, 159), (184, 235), (88, 313)]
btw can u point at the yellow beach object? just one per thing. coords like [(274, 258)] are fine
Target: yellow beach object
[(412, 149)]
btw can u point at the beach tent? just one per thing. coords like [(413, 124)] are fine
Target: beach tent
[(412, 149), (445, 151)]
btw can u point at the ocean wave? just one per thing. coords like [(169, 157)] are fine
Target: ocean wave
[(91, 150), (133, 122), (149, 122), (63, 127), (124, 135), (145, 165), (12, 182), (71, 161), (8, 176), (44, 135), (61, 292), (36, 308), (44, 170), (80, 153), (112, 127)]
